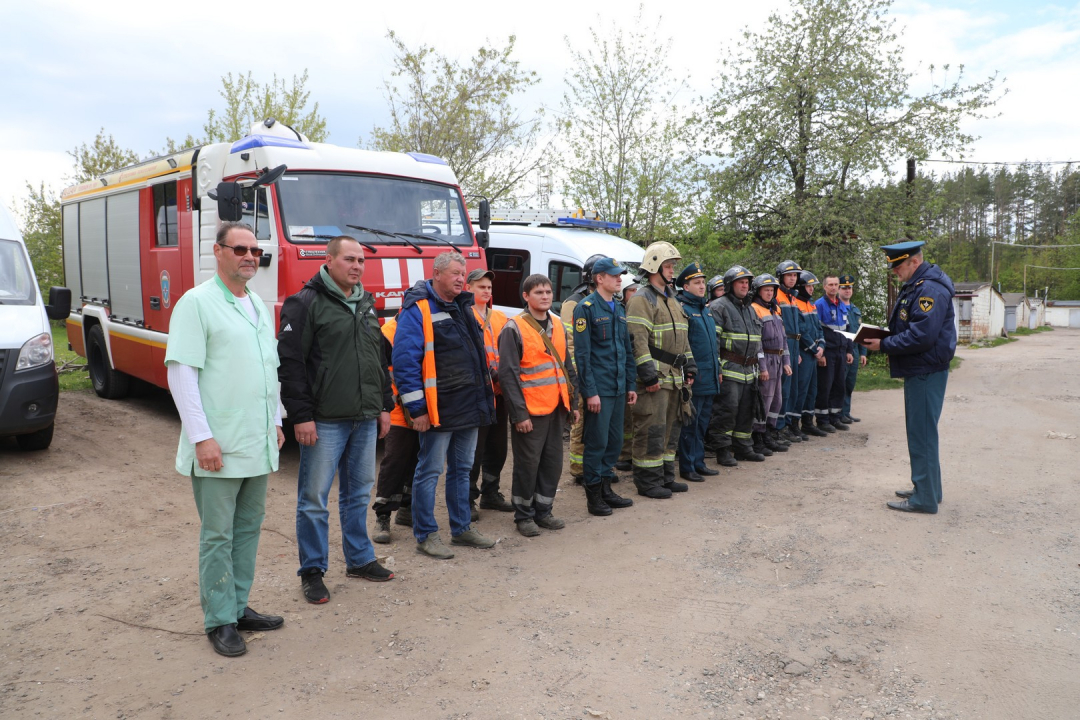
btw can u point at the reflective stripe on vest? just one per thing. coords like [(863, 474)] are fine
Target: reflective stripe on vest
[(427, 369), (492, 325), (397, 417), (542, 383)]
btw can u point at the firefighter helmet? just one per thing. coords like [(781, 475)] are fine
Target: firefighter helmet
[(716, 281), (657, 254), (586, 271), (763, 281), (805, 278), (788, 266), (735, 272)]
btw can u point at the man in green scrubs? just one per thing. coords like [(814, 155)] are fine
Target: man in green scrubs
[(222, 366)]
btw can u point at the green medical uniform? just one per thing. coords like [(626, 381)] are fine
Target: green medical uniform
[(237, 362)]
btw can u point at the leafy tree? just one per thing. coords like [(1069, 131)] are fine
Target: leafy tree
[(464, 112), (247, 101), (102, 156), (819, 101), (40, 220), (625, 134)]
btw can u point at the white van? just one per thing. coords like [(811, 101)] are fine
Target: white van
[(28, 386), (551, 242)]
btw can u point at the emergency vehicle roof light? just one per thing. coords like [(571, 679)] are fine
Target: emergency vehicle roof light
[(257, 141), (583, 222), (425, 158)]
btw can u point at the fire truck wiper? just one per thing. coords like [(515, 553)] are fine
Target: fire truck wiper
[(428, 237), (331, 237), (387, 233)]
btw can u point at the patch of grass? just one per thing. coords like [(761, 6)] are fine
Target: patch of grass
[(955, 363), (875, 376), (1030, 331), (72, 378), (991, 342)]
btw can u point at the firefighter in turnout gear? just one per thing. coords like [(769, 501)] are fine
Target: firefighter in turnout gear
[(739, 331), (566, 314), (787, 424), (665, 372)]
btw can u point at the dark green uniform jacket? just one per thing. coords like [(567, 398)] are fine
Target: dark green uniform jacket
[(332, 361), (603, 354)]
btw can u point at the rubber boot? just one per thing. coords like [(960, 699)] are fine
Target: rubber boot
[(745, 453), (609, 496), (759, 444), (725, 458), (595, 501), (773, 443)]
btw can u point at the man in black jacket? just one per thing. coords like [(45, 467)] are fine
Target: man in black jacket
[(336, 389)]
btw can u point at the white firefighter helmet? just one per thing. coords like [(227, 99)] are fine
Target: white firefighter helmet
[(657, 254)]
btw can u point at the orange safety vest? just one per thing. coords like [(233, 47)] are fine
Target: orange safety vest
[(763, 312), (427, 368), (542, 383), (492, 325), (397, 416)]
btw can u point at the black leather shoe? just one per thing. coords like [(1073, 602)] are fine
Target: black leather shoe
[(840, 426), (846, 419), (706, 471), (815, 431), (827, 427), (227, 641), (676, 486), (624, 466), (691, 476), (904, 493), (254, 622), (905, 506), (852, 419)]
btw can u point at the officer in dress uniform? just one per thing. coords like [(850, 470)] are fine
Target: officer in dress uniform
[(922, 343)]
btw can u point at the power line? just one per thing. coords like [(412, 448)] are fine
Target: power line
[(1006, 242)]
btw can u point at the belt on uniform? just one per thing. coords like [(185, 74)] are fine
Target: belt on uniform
[(675, 360), (738, 359), (773, 352), (794, 336)]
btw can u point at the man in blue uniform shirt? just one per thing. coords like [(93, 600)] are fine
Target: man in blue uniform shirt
[(922, 343), (854, 321)]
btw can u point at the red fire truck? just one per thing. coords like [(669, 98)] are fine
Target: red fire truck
[(136, 239)]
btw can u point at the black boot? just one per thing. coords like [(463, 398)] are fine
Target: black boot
[(745, 453), (725, 458), (759, 444), (809, 429), (609, 496), (772, 442), (777, 437), (595, 500), (790, 434)]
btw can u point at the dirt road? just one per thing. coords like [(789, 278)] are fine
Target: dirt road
[(778, 590)]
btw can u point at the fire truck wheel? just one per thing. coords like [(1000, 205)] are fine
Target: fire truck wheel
[(38, 440), (108, 383)]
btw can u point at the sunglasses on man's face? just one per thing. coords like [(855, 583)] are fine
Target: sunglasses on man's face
[(241, 250)]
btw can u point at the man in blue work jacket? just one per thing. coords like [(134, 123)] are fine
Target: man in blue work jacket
[(854, 321), (922, 343), (606, 370)]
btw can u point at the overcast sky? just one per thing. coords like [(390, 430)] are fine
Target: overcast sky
[(145, 72)]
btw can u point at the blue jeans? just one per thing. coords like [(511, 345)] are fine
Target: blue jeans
[(923, 397), (347, 447), (692, 437), (455, 448)]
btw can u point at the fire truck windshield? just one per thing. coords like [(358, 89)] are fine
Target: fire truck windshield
[(16, 282), (315, 206)]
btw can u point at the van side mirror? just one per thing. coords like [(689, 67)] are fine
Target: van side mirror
[(59, 306), (485, 216), (482, 238)]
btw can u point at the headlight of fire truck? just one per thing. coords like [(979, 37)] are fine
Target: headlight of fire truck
[(37, 351)]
